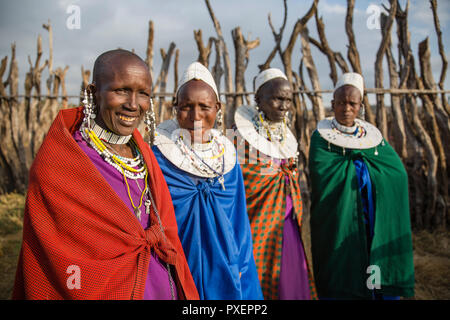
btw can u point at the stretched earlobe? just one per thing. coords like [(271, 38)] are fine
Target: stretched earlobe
[(91, 90), (150, 123), (174, 111), (89, 109), (219, 118)]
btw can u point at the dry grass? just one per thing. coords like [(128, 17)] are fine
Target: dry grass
[(432, 265), (11, 216), (11, 213), (9, 253), (431, 262), (431, 253)]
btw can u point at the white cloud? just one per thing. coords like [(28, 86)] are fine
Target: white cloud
[(421, 12), (332, 8), (63, 4)]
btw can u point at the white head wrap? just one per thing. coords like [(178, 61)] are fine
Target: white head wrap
[(353, 79), (267, 75), (199, 72)]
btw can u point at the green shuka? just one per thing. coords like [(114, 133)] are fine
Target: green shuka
[(338, 233)]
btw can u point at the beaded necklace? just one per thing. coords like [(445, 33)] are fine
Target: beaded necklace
[(200, 163), (137, 210), (109, 136), (277, 134), (126, 167), (132, 162), (122, 164), (356, 131), (114, 160)]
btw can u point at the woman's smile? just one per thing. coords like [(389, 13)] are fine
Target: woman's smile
[(128, 120)]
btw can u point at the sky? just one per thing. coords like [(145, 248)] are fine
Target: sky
[(109, 24)]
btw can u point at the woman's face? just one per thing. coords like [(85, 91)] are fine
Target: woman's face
[(274, 98), (123, 96), (197, 108), (346, 105)]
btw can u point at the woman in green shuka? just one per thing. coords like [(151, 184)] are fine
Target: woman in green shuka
[(360, 222)]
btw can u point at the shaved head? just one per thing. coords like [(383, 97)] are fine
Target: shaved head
[(121, 89), (108, 62)]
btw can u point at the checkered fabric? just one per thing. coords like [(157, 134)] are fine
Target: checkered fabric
[(266, 189)]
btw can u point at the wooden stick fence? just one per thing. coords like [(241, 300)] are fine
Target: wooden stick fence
[(247, 93), (421, 136)]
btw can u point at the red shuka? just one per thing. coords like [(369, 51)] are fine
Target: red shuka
[(80, 241)]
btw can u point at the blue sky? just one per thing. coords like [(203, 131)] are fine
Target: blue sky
[(110, 24)]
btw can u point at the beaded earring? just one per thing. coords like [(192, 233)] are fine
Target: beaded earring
[(150, 123), (256, 103), (219, 118), (89, 112), (287, 118)]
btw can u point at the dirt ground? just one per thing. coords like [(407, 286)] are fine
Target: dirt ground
[(431, 253), (431, 263)]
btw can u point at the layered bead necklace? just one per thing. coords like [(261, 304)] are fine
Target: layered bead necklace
[(131, 168), (356, 131), (212, 165), (274, 132)]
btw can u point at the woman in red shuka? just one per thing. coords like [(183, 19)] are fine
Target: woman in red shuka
[(99, 221)]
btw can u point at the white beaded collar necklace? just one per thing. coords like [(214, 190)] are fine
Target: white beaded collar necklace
[(348, 137), (244, 122), (343, 128), (108, 136), (167, 139)]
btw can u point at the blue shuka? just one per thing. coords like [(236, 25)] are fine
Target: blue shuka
[(215, 232)]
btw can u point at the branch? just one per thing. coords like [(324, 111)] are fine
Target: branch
[(204, 51), (298, 27), (278, 36), (441, 45), (326, 48)]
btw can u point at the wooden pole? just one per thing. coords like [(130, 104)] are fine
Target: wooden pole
[(203, 51), (242, 47), (386, 27), (228, 116), (149, 51), (353, 55)]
